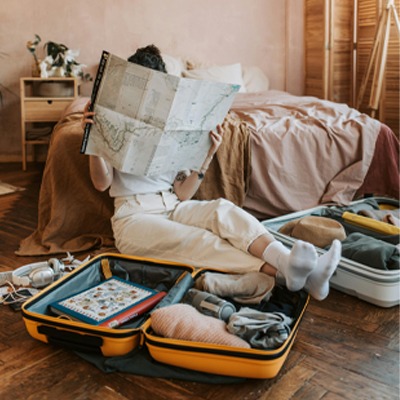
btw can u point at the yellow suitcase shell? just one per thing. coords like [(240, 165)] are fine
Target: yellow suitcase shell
[(80, 336), (219, 359), (109, 342)]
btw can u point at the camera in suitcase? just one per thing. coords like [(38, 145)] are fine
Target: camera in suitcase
[(176, 282), (376, 284)]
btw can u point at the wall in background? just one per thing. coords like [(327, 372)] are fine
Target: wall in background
[(266, 33)]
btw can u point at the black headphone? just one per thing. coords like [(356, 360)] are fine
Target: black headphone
[(38, 274)]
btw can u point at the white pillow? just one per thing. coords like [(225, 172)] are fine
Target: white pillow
[(225, 73), (255, 80), (174, 65)]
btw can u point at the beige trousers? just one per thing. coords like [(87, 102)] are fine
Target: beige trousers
[(214, 234)]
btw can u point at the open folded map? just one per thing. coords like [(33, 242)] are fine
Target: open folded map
[(148, 122)]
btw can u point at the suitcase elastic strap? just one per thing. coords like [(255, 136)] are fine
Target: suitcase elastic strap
[(105, 266)]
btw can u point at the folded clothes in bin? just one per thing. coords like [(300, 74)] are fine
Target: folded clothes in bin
[(371, 251)]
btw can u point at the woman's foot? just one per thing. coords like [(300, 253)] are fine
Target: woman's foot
[(294, 265), (317, 283)]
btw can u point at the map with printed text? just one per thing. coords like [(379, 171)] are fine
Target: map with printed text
[(148, 122)]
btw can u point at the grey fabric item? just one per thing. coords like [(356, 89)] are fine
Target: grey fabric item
[(263, 330), (249, 288), (139, 362), (370, 251), (367, 204)]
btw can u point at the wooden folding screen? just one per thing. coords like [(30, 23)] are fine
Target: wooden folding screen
[(329, 49), (339, 37), (368, 19)]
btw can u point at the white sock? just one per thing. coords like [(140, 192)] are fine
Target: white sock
[(317, 284), (294, 265)]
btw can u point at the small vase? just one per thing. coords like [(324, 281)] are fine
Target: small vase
[(36, 69)]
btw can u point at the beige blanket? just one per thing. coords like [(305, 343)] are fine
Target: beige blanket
[(280, 154), (305, 151)]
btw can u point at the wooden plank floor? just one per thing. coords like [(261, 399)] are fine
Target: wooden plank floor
[(345, 349)]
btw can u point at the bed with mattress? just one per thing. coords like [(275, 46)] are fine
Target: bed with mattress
[(281, 153)]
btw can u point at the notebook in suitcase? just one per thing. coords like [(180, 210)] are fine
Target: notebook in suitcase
[(43, 325)]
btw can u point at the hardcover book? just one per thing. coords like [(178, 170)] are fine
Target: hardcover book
[(109, 303)]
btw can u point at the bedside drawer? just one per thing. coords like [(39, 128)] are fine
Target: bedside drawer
[(45, 110)]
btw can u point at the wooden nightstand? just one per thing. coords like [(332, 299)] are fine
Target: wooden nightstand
[(42, 102)]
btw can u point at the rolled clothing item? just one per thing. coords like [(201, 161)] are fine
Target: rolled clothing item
[(249, 288), (262, 330), (370, 251), (184, 322)]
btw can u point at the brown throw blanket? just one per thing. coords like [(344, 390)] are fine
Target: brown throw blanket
[(73, 216), (229, 172)]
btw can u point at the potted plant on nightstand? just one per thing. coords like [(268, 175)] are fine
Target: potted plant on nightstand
[(59, 61)]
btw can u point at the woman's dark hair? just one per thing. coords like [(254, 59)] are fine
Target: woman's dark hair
[(150, 57)]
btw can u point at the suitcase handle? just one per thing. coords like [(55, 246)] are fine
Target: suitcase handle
[(71, 340)]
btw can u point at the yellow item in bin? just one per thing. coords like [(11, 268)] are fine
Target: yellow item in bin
[(370, 223)]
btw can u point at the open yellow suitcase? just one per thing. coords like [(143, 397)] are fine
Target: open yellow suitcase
[(176, 279)]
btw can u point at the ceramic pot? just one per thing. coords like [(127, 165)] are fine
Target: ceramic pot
[(55, 89)]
